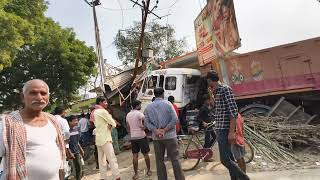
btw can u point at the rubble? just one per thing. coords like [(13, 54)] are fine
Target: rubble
[(266, 147), (281, 143), (287, 133)]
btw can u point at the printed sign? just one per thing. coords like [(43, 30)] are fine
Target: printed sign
[(216, 30)]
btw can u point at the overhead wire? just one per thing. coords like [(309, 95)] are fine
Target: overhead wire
[(123, 9), (169, 7), (122, 16), (87, 2), (122, 19), (200, 5)]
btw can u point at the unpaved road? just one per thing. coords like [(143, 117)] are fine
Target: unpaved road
[(205, 171), (306, 174)]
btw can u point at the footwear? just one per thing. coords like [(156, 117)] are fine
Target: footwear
[(135, 177), (149, 173)]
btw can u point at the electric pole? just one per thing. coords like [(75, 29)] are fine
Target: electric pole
[(145, 11), (101, 66)]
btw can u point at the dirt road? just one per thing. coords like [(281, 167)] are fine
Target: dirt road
[(205, 171), (306, 174)]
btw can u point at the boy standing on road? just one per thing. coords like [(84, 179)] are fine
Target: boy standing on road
[(74, 146), (178, 126), (139, 141), (206, 116)]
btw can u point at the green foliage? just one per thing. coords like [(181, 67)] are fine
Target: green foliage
[(52, 54), (157, 37), (17, 19)]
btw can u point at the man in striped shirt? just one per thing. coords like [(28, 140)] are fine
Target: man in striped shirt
[(161, 119), (226, 113)]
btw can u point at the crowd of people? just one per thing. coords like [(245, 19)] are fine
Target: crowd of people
[(30, 134)]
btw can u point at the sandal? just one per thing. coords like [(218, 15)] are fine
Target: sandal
[(135, 177), (149, 173)]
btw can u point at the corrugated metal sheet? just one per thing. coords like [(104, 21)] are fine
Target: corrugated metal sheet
[(189, 60), (119, 80)]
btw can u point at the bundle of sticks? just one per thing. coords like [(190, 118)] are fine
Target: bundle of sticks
[(273, 137), (285, 132), (268, 148)]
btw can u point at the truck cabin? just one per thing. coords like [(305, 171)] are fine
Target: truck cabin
[(182, 83)]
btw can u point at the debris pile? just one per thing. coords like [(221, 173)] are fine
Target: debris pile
[(285, 132), (263, 145), (275, 137)]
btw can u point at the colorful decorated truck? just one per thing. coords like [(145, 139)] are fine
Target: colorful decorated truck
[(291, 71), (282, 80)]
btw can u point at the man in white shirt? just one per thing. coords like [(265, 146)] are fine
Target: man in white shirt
[(60, 114), (85, 136), (30, 140), (83, 123)]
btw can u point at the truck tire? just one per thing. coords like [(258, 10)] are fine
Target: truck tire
[(255, 110)]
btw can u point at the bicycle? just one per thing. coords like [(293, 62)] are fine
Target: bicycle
[(191, 150)]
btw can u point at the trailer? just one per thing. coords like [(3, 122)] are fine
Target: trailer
[(270, 79), (282, 80)]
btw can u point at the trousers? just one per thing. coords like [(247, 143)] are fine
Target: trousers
[(106, 152)]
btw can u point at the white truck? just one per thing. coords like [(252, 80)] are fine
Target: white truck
[(182, 83)]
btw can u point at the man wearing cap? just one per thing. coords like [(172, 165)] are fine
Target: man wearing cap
[(226, 113)]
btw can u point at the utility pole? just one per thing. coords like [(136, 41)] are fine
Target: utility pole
[(101, 66), (145, 11)]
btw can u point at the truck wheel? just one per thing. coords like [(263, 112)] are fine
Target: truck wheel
[(255, 110)]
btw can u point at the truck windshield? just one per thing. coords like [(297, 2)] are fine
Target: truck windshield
[(170, 83), (152, 83)]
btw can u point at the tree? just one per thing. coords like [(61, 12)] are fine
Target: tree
[(159, 38), (55, 56), (17, 19)]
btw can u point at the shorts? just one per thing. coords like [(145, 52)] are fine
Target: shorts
[(140, 144), (237, 151)]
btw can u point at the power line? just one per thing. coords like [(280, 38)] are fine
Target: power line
[(87, 2), (142, 6), (123, 9), (168, 13), (122, 16), (200, 4), (169, 7), (109, 45)]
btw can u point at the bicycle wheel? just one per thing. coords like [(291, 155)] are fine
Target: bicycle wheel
[(249, 152), (183, 146)]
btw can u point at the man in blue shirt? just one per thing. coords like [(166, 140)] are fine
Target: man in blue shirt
[(161, 119)]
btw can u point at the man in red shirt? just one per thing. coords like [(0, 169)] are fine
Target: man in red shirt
[(171, 99), (238, 148)]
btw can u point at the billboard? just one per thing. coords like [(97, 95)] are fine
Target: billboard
[(216, 30)]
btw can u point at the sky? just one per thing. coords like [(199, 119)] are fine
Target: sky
[(261, 23)]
